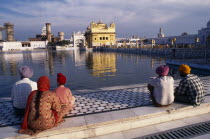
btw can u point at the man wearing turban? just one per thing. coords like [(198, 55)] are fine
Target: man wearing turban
[(190, 89), (64, 94), (162, 87), (21, 89)]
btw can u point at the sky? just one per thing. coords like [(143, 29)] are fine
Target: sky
[(132, 17)]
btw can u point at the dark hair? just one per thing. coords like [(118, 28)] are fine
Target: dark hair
[(37, 103)]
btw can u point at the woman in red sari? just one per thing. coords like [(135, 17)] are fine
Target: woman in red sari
[(42, 110)]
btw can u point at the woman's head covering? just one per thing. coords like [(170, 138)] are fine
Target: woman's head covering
[(25, 72), (43, 83), (61, 79), (162, 70), (185, 69)]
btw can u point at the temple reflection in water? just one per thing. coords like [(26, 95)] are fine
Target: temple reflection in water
[(101, 64), (98, 63)]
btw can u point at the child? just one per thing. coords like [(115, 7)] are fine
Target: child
[(64, 94)]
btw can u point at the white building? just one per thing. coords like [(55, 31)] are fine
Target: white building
[(204, 35), (131, 42), (27, 45), (38, 44), (122, 42), (5, 46), (44, 30), (160, 34), (79, 39), (200, 39), (178, 40), (183, 39)]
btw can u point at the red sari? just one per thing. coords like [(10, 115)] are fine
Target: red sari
[(49, 109)]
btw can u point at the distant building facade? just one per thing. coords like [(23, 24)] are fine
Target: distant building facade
[(47, 35), (61, 36), (1, 36), (160, 34), (204, 35), (175, 40), (9, 32), (25, 45), (40, 37), (200, 39), (99, 34), (79, 39), (134, 41)]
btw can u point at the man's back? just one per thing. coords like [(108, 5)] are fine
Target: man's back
[(196, 89), (163, 89), (191, 86), (64, 94), (20, 91)]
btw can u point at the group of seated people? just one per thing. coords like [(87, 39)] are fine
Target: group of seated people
[(44, 109), (190, 89)]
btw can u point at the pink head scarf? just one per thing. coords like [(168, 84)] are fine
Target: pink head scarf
[(162, 70)]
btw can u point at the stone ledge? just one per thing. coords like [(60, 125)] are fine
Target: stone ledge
[(101, 128), (115, 121)]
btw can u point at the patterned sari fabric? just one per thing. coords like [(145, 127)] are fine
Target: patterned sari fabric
[(49, 111), (46, 120)]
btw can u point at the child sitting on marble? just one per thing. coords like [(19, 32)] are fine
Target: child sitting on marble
[(64, 94)]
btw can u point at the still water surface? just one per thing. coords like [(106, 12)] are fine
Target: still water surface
[(84, 70)]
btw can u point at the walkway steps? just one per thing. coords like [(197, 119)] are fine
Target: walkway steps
[(110, 122)]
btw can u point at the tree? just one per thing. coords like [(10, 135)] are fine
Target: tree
[(184, 34), (146, 40)]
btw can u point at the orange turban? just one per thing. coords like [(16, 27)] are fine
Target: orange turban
[(185, 69)]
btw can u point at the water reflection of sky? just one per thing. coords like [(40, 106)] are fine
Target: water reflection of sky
[(84, 70)]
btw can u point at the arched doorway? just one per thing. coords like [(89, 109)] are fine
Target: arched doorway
[(79, 39), (79, 43)]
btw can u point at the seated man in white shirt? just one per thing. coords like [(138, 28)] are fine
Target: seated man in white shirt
[(162, 87), (21, 89)]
